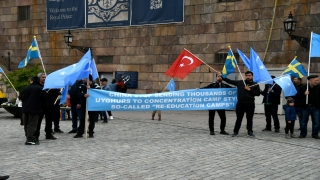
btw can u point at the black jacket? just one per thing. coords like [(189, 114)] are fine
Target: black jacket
[(216, 85), (74, 90), (273, 97), (32, 98), (244, 96), (82, 91), (313, 97)]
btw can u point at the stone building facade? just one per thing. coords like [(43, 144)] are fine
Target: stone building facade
[(209, 27)]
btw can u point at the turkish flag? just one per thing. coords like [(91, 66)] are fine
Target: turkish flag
[(183, 65)]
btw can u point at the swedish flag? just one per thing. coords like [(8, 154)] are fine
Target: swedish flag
[(33, 52), (296, 69), (229, 65)]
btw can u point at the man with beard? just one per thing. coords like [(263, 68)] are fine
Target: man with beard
[(222, 113), (310, 105), (247, 90), (47, 109)]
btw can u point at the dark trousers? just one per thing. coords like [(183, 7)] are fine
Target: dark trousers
[(271, 111), (109, 113), (30, 121), (242, 108), (75, 112), (289, 126), (56, 116), (222, 115), (92, 115), (306, 112), (104, 116), (48, 118)]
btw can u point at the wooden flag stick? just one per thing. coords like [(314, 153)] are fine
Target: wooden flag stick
[(10, 82), (237, 65), (203, 62)]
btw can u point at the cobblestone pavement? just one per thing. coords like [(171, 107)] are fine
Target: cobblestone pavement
[(179, 147)]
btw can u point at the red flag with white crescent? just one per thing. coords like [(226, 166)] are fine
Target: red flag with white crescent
[(183, 65)]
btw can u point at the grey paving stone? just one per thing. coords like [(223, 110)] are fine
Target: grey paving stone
[(179, 147)]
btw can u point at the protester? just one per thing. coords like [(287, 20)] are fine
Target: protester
[(154, 113), (82, 105), (271, 100), (310, 105), (247, 90), (297, 102), (47, 109), (111, 87), (121, 86), (222, 113), (75, 112), (32, 99), (103, 114), (290, 117)]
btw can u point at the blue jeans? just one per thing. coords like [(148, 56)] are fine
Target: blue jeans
[(314, 112), (75, 114)]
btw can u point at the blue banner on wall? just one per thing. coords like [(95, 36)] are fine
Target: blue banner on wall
[(75, 14), (156, 11), (65, 14), (192, 99), (108, 13)]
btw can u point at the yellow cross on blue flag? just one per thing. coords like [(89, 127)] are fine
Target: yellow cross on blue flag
[(33, 52), (296, 69), (229, 65)]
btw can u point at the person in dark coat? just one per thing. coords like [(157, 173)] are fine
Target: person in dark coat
[(222, 113), (310, 105), (32, 100), (290, 117), (75, 112), (271, 100), (247, 90), (82, 103), (47, 109)]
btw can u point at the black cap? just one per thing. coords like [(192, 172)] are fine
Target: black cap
[(104, 79), (312, 76), (290, 101), (273, 77)]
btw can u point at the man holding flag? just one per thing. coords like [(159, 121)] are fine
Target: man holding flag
[(247, 90), (310, 106), (222, 113)]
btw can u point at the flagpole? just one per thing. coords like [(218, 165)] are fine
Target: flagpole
[(237, 65), (40, 56), (166, 85), (202, 61), (309, 66), (10, 82)]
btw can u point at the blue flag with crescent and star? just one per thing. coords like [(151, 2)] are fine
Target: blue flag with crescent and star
[(68, 75), (286, 84), (260, 72)]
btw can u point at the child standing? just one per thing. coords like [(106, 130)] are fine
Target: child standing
[(290, 116)]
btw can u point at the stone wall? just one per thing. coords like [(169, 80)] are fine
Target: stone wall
[(209, 27)]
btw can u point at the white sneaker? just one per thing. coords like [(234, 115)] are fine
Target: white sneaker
[(111, 117)]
